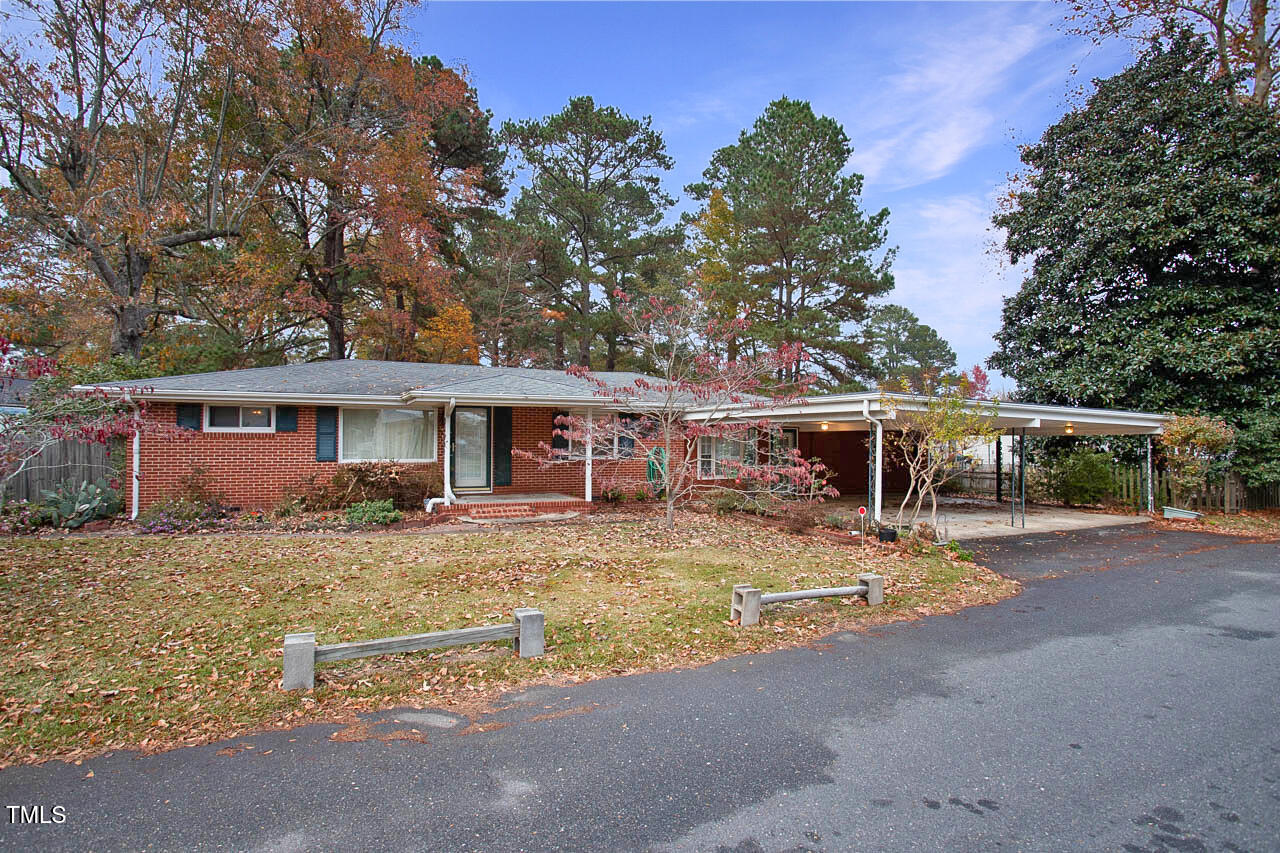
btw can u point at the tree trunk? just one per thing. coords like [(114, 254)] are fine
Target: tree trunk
[(586, 332), (1263, 71), (129, 318), (611, 354), (333, 277), (128, 329)]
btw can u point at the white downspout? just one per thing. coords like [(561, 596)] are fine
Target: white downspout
[(866, 413), (449, 496), (590, 451), (137, 467)]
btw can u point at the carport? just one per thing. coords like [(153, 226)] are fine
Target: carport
[(847, 432)]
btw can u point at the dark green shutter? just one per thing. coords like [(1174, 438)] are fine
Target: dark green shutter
[(558, 441), (191, 416), (326, 434), (286, 418), (502, 445)]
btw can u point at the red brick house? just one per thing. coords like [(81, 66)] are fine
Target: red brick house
[(260, 431)]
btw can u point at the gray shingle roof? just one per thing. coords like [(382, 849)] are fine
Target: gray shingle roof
[(358, 377), (14, 392)]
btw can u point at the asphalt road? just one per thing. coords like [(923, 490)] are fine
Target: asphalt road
[(1127, 700)]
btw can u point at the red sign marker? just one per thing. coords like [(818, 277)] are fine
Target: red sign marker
[(862, 510)]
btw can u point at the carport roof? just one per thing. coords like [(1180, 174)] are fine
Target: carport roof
[(845, 412)]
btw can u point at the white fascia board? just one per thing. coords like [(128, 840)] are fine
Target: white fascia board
[(278, 398), (518, 400), (848, 407)]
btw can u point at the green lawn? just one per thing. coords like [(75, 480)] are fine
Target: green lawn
[(153, 642)]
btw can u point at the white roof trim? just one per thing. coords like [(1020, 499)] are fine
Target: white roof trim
[(1035, 418), (406, 400), (169, 395)]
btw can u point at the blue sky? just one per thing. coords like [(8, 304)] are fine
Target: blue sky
[(935, 97)]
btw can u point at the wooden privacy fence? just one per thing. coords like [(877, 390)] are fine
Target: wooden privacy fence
[(1229, 495), (301, 654), (1129, 488), (747, 600), (65, 461)]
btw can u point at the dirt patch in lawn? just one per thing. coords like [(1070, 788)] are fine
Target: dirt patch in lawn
[(162, 641)]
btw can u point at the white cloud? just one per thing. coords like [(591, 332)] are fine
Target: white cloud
[(950, 273), (924, 119)]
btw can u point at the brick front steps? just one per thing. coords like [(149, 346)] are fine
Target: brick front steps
[(507, 509)]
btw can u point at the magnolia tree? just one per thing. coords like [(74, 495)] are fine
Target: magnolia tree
[(933, 430), (1196, 448), (688, 418), (89, 417)]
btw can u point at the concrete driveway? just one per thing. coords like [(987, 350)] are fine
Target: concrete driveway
[(970, 519), (1125, 701)]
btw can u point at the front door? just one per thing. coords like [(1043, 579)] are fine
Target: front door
[(471, 447)]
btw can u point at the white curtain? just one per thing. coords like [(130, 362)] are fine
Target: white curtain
[(388, 434)]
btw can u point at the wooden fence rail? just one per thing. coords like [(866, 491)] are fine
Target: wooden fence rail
[(747, 600), (301, 654)]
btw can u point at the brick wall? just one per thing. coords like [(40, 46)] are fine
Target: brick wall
[(255, 470), (250, 469)]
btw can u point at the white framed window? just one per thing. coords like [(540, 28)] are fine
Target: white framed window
[(387, 435), (720, 458), (784, 442), (619, 443), (239, 418)]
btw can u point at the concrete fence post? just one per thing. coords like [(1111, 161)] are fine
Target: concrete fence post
[(299, 661), (735, 604), (530, 640), (750, 607), (875, 587)]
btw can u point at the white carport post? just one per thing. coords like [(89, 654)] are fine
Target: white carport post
[(590, 451), (878, 467), (1151, 487)]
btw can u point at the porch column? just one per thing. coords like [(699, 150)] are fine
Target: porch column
[(590, 450), (448, 454)]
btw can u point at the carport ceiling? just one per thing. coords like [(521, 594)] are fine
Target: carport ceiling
[(857, 412)]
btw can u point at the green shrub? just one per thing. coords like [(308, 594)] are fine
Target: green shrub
[(1082, 476), (72, 505), (404, 485), (194, 505), (373, 512), (959, 553), (23, 517), (725, 501), (839, 522)]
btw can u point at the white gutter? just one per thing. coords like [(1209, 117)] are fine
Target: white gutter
[(866, 413), (137, 466)]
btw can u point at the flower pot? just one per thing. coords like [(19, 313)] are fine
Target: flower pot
[(888, 534)]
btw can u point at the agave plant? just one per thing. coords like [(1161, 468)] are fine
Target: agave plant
[(72, 506)]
